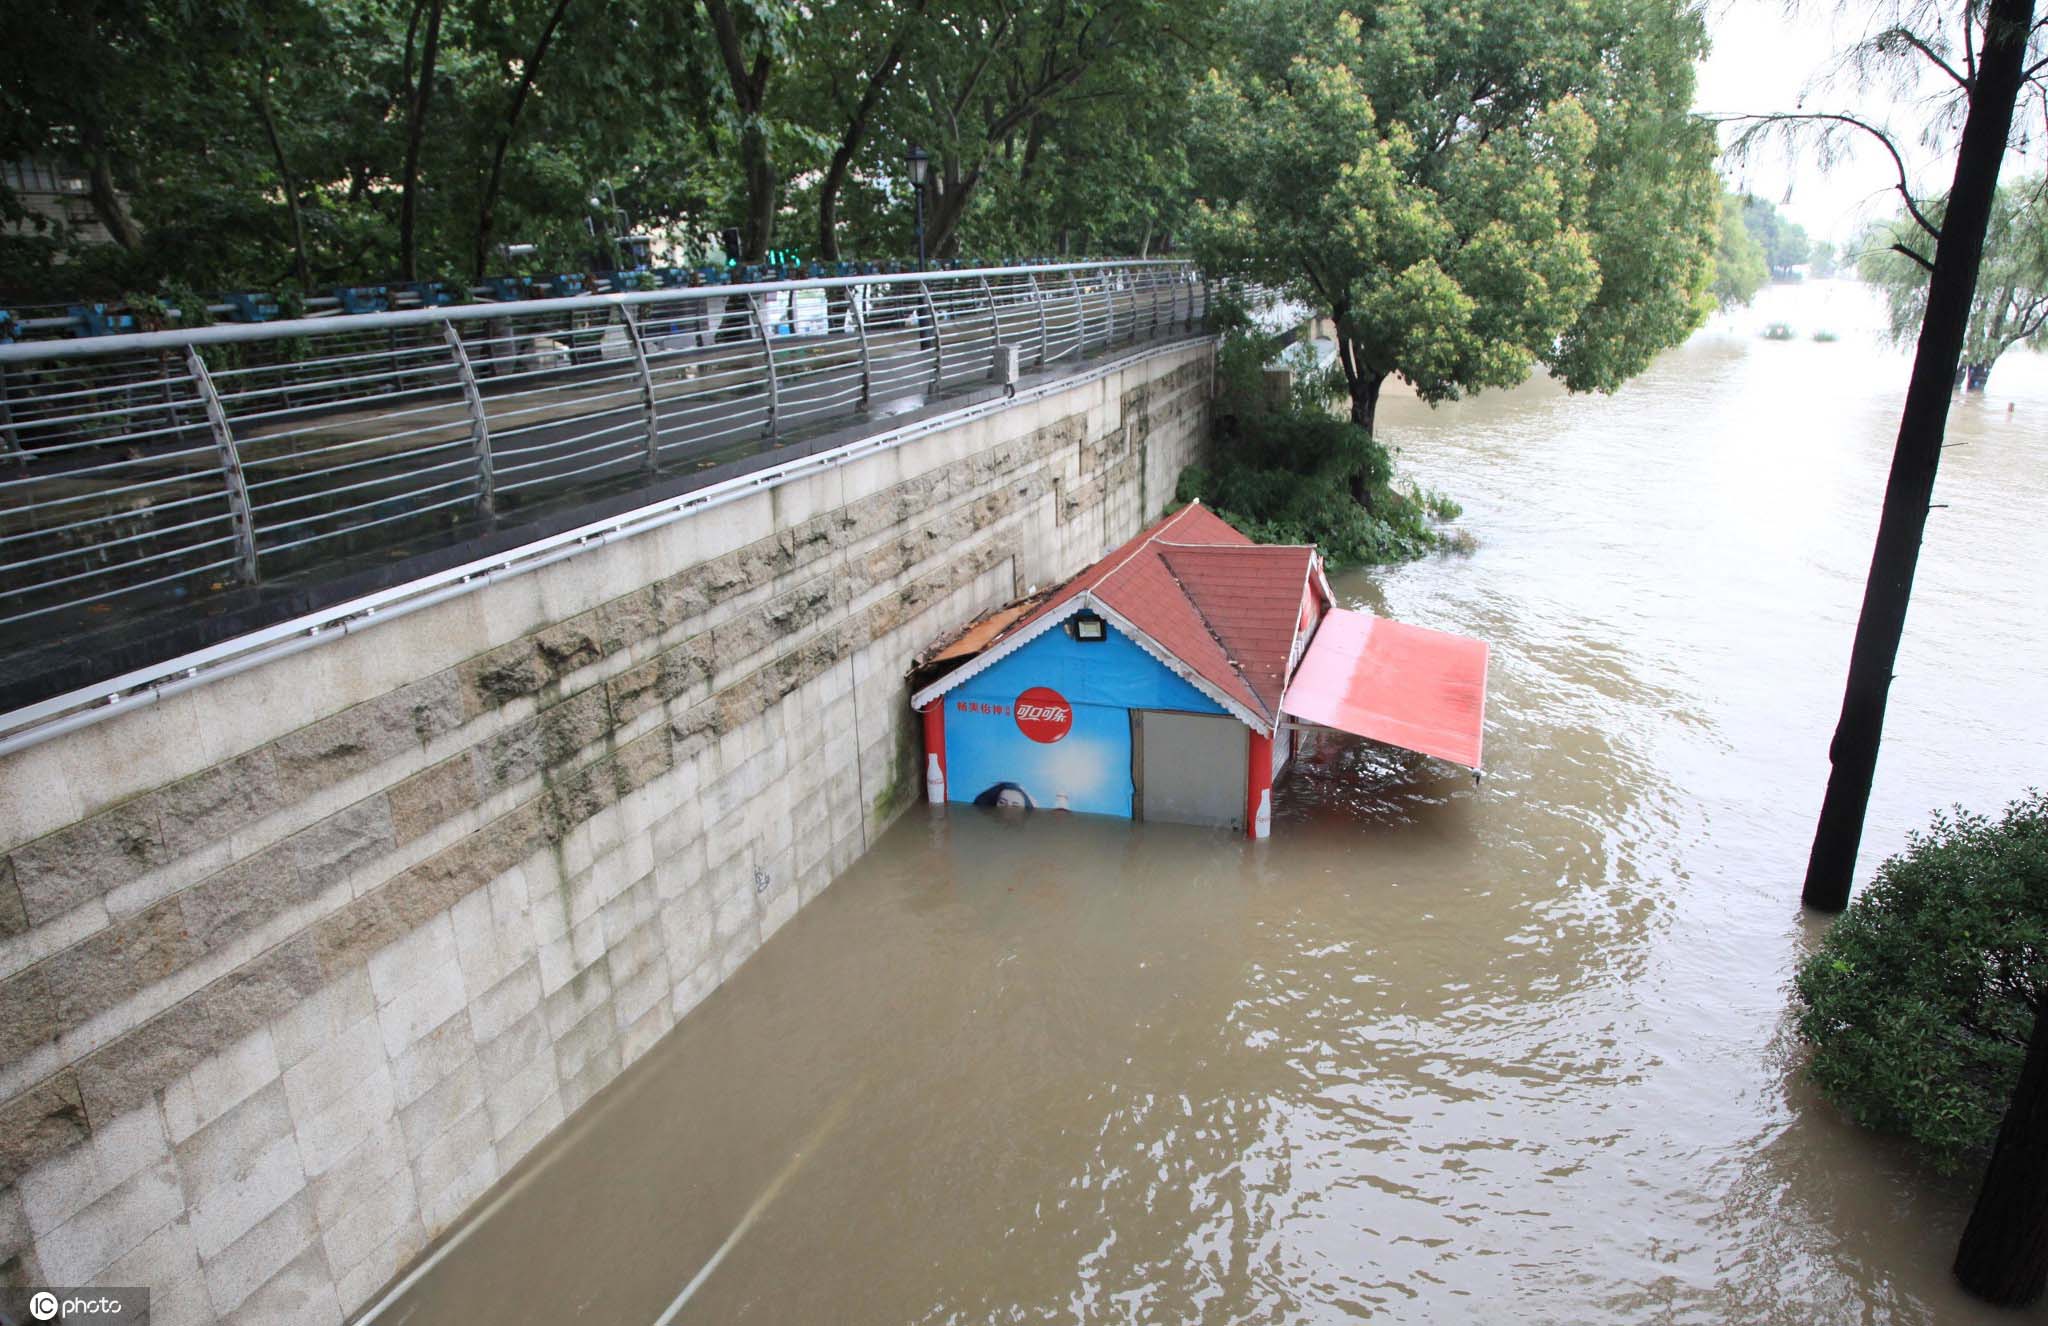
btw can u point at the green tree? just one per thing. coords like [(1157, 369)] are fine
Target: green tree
[(995, 83), (1785, 243), (2010, 306), (317, 142), (1468, 192), (1920, 999), (1739, 267), (752, 38), (72, 85), (1104, 169), (1284, 469), (245, 145)]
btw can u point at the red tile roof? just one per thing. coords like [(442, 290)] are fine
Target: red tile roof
[(1225, 607)]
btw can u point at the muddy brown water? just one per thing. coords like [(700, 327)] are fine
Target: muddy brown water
[(1435, 1052)]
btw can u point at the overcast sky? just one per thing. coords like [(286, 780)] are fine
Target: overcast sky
[(1766, 54)]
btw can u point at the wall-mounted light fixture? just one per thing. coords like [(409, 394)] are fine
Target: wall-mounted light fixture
[(1088, 628)]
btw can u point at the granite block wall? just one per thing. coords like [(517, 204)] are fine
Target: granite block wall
[(295, 965)]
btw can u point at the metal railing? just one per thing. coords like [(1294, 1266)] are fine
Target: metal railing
[(157, 468)]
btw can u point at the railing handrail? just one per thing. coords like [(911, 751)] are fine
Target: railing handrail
[(223, 333), (31, 724), (256, 467)]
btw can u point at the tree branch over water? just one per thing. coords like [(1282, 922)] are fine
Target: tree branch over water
[(1827, 142)]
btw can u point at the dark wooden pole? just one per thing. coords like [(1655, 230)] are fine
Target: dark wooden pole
[(1831, 867), (2004, 1254)]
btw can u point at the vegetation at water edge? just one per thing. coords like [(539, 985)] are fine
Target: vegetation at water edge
[(2010, 304), (1919, 1001), (1289, 471)]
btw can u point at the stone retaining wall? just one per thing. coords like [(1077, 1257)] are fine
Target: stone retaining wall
[(295, 965)]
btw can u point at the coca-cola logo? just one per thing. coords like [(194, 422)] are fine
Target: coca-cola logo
[(1043, 714)]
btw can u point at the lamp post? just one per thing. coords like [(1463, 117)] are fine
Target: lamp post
[(920, 169)]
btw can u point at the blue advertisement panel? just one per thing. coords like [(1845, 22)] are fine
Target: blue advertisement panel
[(1049, 726)]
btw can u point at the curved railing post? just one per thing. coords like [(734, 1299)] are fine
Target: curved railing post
[(995, 322), (1038, 301), (931, 313), (232, 479), (1080, 314), (630, 318), (760, 317), (860, 329), (479, 423), (13, 448)]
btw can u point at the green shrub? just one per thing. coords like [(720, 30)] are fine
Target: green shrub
[(171, 306), (1919, 1002), (1286, 472), (1439, 505)]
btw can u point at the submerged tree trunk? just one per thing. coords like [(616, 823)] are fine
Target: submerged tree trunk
[(2004, 1254), (1975, 376), (1831, 866), (408, 200), (1365, 407)]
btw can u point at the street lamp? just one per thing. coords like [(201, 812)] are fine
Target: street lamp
[(920, 169)]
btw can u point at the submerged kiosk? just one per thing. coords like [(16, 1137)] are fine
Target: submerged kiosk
[(1173, 680)]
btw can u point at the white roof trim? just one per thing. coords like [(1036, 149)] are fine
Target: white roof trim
[(1086, 599), (988, 658), (1298, 644), (1299, 648)]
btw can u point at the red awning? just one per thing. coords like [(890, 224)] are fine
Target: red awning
[(1410, 687)]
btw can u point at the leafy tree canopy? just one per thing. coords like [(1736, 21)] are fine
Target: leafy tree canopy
[(270, 143), (1784, 242), (2010, 306), (1470, 190), (1739, 267), (1919, 1001)]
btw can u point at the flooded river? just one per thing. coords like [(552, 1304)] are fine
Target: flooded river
[(1435, 1052)]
